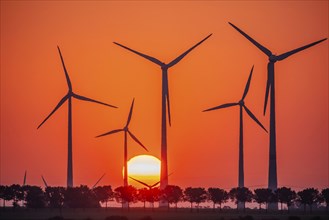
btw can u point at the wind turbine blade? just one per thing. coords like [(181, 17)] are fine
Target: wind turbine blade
[(160, 181), (130, 112), (287, 54), (98, 181), (270, 72), (44, 181), (261, 47), (253, 117), (248, 84), (55, 109), (152, 59), (221, 106), (155, 184), (110, 132), (145, 184), (83, 98), (179, 58), (24, 181), (66, 73), (168, 99), (136, 140)]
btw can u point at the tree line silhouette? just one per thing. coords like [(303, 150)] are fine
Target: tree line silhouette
[(85, 197)]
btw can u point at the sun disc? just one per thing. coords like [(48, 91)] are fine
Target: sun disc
[(145, 168)]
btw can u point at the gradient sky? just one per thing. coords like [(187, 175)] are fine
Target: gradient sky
[(202, 147)]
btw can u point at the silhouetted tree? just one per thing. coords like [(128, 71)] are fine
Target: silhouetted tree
[(217, 196), (195, 195), (285, 196), (103, 194), (142, 195), (172, 194), (2, 194), (125, 194), (18, 194), (153, 195), (55, 197), (8, 195), (241, 194), (80, 197), (263, 195), (150, 195), (35, 197), (309, 197), (325, 196)]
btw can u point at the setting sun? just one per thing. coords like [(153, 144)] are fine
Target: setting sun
[(145, 168)]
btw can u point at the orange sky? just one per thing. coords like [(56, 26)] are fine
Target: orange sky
[(202, 147)]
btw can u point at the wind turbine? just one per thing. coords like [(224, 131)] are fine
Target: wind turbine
[(145, 184), (126, 131), (68, 97), (94, 186), (24, 180), (272, 178), (242, 106), (44, 181), (165, 105)]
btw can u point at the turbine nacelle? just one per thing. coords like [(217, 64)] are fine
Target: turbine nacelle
[(241, 103), (164, 66), (273, 58)]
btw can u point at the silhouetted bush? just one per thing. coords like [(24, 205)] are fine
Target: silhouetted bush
[(294, 218), (35, 197), (116, 217), (80, 197)]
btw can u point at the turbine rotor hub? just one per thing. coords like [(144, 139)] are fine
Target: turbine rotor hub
[(164, 66), (272, 58), (241, 102)]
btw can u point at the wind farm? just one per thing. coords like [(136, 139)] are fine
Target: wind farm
[(270, 90), (248, 159)]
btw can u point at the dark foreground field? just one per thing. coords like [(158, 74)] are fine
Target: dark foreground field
[(140, 214)]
